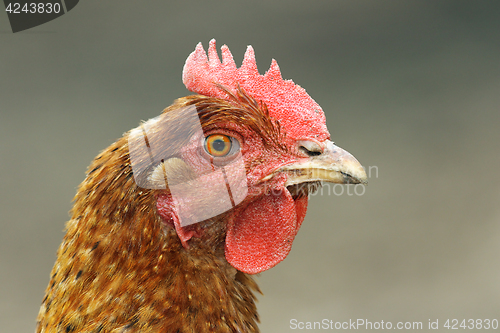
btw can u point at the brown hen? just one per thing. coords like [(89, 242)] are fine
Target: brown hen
[(173, 218)]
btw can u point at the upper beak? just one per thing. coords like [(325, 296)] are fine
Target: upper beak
[(333, 164)]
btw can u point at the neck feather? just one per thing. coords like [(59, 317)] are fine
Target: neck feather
[(121, 268)]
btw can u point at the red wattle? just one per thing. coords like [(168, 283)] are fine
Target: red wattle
[(261, 235)]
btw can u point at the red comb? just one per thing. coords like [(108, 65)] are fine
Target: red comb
[(299, 115)]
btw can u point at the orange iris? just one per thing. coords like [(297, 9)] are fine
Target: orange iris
[(218, 145)]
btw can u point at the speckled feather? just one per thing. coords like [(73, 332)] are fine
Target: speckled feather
[(120, 268), (127, 265)]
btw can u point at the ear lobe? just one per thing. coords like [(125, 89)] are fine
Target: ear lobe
[(167, 208)]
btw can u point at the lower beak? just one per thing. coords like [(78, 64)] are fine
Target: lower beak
[(334, 165)]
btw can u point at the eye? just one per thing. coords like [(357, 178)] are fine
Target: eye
[(220, 145)]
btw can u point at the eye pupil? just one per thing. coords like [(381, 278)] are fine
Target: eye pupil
[(219, 145)]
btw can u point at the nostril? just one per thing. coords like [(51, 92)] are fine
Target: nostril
[(310, 148), (309, 152)]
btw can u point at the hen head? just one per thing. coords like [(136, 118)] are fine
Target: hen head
[(234, 165)]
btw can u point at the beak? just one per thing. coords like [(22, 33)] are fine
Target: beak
[(332, 164)]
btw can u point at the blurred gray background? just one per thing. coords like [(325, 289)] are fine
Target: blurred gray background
[(409, 87)]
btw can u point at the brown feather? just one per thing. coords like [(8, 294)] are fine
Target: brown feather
[(120, 268)]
